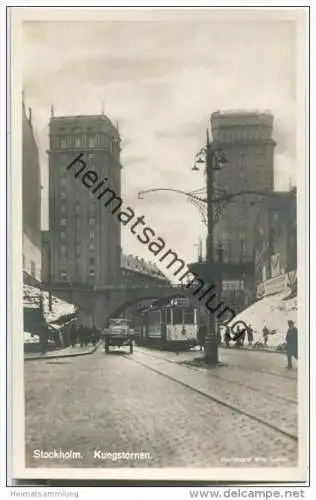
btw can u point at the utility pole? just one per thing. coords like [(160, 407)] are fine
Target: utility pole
[(211, 349), (50, 302)]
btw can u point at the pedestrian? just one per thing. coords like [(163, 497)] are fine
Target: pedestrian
[(94, 335), (73, 335), (81, 335), (265, 333), (86, 335), (291, 344), (227, 337), (250, 335), (219, 335), (238, 337), (242, 337), (201, 336)]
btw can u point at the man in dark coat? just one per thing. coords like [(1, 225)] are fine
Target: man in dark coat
[(291, 344), (201, 336), (227, 337), (250, 335), (265, 334)]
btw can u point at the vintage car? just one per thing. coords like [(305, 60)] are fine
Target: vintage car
[(118, 334)]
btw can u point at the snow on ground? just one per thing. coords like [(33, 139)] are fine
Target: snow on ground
[(31, 298), (272, 312), (30, 338)]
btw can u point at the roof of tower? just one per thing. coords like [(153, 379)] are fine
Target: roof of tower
[(84, 119), (242, 112)]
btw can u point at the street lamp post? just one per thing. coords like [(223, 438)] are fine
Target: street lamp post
[(213, 160), (50, 301), (211, 347)]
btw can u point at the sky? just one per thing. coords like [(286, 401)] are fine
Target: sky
[(161, 80)]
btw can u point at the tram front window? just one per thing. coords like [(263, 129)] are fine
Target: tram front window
[(177, 316), (168, 317), (189, 316)]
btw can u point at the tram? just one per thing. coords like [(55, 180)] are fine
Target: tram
[(172, 326)]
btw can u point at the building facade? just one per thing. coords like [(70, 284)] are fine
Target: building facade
[(136, 271), (85, 237), (276, 236), (31, 201), (246, 140)]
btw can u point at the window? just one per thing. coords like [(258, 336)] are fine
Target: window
[(241, 245), (63, 181), (91, 141), (229, 135), (91, 272), (63, 208), (92, 156), (62, 235), (91, 248), (276, 217), (63, 250), (77, 207), (92, 221), (63, 263), (63, 275), (242, 174), (77, 141), (63, 222), (33, 268), (63, 142), (168, 316), (64, 159), (62, 195), (189, 316), (92, 208), (91, 235), (91, 261), (177, 316)]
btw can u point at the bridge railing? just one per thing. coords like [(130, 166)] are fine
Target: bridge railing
[(139, 287)]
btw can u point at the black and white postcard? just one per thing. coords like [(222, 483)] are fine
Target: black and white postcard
[(159, 200)]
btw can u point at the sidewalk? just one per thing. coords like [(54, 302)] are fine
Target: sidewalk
[(67, 352)]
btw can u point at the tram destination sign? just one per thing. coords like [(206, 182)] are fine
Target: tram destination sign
[(180, 302)]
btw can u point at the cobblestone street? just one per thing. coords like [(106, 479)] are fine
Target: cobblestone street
[(147, 402)]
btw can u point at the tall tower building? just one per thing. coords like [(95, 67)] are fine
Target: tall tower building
[(246, 140), (85, 236), (31, 201)]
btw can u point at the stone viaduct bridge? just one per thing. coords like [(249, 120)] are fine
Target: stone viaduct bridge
[(104, 302)]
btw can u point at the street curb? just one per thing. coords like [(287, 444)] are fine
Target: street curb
[(59, 356), (254, 350)]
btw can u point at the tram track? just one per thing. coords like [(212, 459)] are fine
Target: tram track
[(245, 386), (256, 370), (215, 399)]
